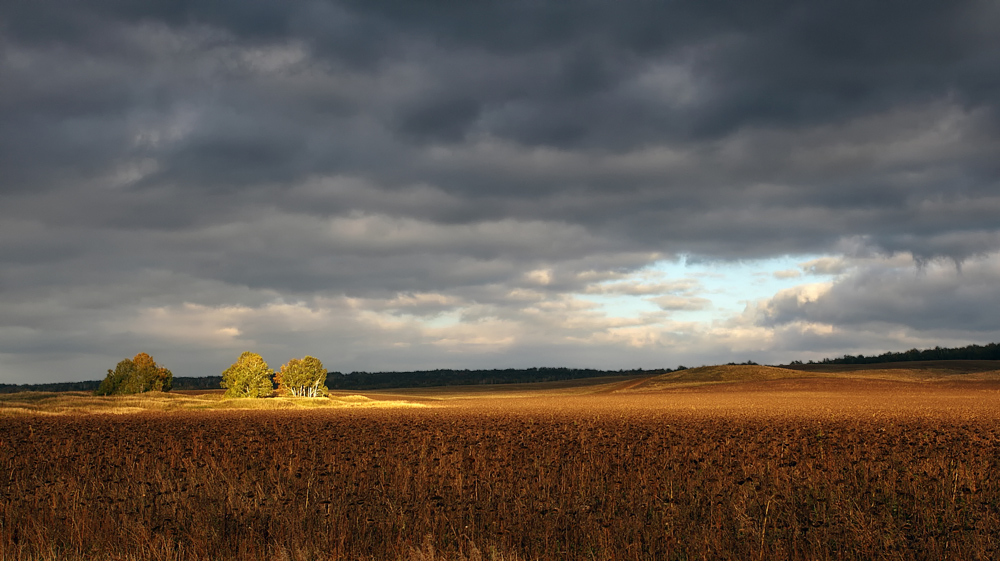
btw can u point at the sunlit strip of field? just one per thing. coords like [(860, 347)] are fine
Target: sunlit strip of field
[(70, 403)]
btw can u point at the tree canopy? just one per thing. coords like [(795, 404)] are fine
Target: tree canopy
[(136, 375), (302, 378), (249, 376)]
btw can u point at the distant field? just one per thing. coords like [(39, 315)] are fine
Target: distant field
[(734, 462), (734, 378), (846, 379)]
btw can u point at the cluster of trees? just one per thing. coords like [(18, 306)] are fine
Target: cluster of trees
[(304, 377), (136, 375), (250, 376)]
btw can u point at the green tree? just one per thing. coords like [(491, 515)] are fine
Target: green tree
[(302, 378), (136, 375), (249, 376), (115, 381)]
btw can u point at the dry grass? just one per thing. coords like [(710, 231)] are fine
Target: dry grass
[(78, 403), (785, 469)]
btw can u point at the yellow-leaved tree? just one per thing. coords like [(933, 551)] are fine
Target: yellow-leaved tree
[(249, 376)]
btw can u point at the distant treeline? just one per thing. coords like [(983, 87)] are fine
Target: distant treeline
[(971, 352), (180, 383), (197, 383), (88, 386), (444, 377)]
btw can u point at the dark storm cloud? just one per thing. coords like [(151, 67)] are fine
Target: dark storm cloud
[(597, 77), (769, 64), (235, 154)]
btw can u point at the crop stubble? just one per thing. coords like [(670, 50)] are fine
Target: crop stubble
[(592, 477)]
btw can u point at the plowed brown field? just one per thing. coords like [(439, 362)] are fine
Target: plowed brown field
[(787, 469)]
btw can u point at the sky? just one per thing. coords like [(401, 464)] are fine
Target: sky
[(399, 185)]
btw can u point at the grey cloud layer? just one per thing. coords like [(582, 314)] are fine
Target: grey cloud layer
[(156, 153), (624, 119), (937, 297)]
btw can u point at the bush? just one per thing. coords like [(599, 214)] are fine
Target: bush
[(249, 376)]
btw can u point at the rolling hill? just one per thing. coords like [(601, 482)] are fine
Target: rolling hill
[(927, 371)]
